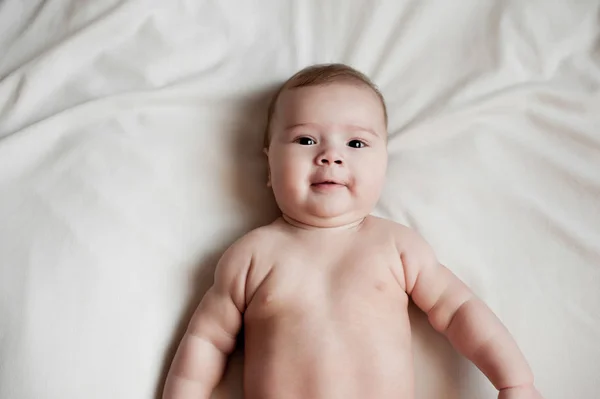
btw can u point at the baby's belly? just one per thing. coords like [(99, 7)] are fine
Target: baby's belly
[(355, 353)]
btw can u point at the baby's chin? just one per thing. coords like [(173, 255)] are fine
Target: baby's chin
[(328, 218)]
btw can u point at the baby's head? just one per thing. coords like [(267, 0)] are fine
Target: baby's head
[(326, 142)]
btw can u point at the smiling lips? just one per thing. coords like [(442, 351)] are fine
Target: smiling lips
[(327, 185)]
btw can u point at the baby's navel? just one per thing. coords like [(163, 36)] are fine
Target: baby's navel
[(267, 298), (380, 286)]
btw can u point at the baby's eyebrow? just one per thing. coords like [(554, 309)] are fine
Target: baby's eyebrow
[(345, 126), (297, 125)]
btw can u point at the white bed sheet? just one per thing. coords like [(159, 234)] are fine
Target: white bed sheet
[(130, 137)]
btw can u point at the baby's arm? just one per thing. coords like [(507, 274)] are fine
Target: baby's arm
[(469, 324), (211, 334)]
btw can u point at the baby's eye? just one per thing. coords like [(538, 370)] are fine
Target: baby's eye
[(305, 141), (356, 144)]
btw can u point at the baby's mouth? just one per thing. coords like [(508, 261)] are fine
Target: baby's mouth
[(327, 184)]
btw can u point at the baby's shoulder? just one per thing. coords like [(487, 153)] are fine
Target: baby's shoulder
[(389, 227), (257, 240), (238, 258), (406, 239)]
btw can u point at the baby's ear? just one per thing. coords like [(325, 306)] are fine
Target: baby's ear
[(266, 151)]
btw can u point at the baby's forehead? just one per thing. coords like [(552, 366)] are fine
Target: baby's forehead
[(330, 95), (356, 89), (331, 103), (318, 80)]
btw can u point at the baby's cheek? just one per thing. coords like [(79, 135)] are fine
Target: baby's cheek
[(374, 175), (287, 192), (373, 186)]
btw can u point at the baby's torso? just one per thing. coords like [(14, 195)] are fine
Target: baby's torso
[(327, 318)]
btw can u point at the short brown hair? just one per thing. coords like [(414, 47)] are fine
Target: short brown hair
[(321, 74)]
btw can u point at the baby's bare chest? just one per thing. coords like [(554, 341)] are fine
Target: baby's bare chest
[(330, 277)]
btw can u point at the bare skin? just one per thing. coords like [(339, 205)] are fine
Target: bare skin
[(332, 304), (323, 291)]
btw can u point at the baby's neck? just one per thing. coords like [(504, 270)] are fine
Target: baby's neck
[(304, 226)]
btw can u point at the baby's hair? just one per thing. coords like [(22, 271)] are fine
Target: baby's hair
[(317, 75)]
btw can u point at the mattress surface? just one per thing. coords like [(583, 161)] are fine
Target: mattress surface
[(130, 158)]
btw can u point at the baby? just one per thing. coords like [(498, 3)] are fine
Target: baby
[(323, 291)]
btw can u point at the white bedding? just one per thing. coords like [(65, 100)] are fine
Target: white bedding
[(130, 138)]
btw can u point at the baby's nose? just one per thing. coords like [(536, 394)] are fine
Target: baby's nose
[(330, 155), (328, 160)]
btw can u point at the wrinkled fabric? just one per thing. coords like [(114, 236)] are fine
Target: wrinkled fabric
[(130, 158)]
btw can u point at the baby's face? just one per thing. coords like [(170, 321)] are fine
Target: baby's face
[(328, 155)]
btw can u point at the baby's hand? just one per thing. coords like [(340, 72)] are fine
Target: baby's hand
[(524, 392)]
